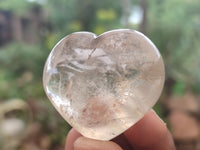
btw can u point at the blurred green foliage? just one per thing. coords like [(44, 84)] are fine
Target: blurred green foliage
[(174, 26), (89, 15), (21, 70), (18, 58), (20, 7), (179, 88)]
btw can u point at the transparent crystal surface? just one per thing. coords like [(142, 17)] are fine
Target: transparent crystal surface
[(102, 85)]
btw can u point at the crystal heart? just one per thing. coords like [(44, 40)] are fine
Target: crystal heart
[(102, 85)]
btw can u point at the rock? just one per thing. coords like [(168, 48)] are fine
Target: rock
[(188, 102), (186, 146), (33, 131), (12, 128), (198, 145), (45, 142), (30, 146), (184, 126)]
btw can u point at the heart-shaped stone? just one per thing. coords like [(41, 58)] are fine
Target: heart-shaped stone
[(102, 85)]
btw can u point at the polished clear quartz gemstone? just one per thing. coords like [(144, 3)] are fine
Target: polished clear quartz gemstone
[(102, 85)]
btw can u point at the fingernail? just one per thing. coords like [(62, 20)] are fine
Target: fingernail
[(80, 143), (83, 143)]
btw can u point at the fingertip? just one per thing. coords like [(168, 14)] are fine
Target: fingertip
[(149, 131), (71, 138)]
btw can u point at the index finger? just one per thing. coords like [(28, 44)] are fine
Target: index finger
[(150, 133)]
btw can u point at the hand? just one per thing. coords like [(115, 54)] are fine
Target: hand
[(150, 133)]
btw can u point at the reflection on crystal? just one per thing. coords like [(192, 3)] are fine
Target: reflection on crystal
[(103, 85)]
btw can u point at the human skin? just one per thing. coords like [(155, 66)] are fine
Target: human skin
[(150, 133)]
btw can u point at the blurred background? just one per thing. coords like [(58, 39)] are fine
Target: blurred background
[(30, 28)]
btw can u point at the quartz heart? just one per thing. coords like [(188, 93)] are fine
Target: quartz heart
[(102, 85)]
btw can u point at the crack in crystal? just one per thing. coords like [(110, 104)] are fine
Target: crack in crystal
[(90, 55)]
